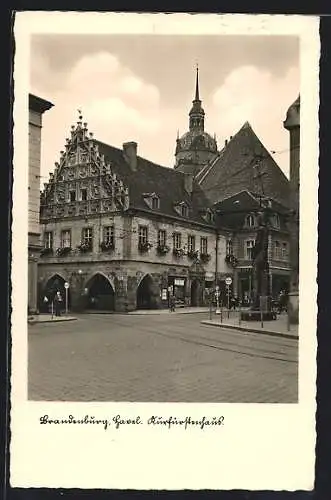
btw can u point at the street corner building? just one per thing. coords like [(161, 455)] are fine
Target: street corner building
[(122, 231), (126, 233), (37, 107)]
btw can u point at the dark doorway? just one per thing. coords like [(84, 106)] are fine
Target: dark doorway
[(101, 296), (195, 289), (54, 284), (145, 293)]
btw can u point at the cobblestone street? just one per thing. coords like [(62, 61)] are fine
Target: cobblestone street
[(165, 358)]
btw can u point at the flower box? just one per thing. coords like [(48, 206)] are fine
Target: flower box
[(231, 260), (205, 257), (107, 246), (162, 249), (178, 252), (46, 251), (193, 254), (85, 247), (62, 251), (144, 247)]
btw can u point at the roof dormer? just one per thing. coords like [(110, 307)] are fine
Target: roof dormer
[(152, 200), (182, 209)]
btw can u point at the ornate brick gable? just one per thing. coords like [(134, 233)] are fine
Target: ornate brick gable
[(83, 182)]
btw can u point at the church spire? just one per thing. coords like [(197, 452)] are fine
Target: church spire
[(197, 98), (197, 114)]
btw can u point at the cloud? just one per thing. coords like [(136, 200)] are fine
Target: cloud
[(255, 95), (117, 105)]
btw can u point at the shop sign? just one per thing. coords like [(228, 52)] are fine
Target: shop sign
[(179, 282)]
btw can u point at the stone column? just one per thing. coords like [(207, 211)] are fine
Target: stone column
[(32, 283), (292, 124)]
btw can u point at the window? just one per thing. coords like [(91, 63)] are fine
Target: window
[(83, 194), (155, 203), (66, 238), (229, 247), (72, 195), (143, 235), (277, 250), (184, 210), (276, 221), (161, 238), (250, 221), (191, 243), (177, 240), (109, 235), (284, 251), (48, 240), (87, 236), (249, 249), (203, 245)]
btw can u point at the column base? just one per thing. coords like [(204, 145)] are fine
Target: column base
[(293, 307)]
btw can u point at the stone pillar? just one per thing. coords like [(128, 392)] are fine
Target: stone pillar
[(292, 124), (32, 283)]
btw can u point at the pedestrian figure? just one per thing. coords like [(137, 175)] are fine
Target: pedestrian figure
[(57, 303), (172, 303)]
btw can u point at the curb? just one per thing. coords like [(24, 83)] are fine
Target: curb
[(133, 313), (254, 330), (37, 322)]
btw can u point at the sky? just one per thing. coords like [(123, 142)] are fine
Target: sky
[(140, 88)]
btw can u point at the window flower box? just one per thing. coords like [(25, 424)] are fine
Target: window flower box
[(193, 254), (85, 247), (205, 257), (63, 251), (178, 252), (46, 251), (107, 246), (144, 246), (231, 260), (162, 249)]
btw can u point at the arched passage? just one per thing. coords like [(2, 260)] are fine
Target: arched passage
[(145, 293), (53, 285), (100, 293), (195, 290)]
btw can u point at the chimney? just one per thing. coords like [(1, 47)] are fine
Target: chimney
[(130, 154), (188, 183), (226, 142), (231, 136)]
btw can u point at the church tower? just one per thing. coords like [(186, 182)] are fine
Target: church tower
[(196, 147)]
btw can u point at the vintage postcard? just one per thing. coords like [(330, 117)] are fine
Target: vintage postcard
[(164, 251)]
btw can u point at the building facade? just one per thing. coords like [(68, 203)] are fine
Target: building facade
[(124, 233), (240, 215), (37, 107)]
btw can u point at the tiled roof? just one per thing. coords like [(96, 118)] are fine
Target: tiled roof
[(231, 211), (235, 169), (149, 177)]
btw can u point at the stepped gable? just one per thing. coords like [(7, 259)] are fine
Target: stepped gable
[(232, 211), (235, 169), (165, 182)]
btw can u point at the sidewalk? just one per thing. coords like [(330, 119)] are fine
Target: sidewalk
[(276, 327), (47, 318), (178, 310)]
